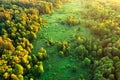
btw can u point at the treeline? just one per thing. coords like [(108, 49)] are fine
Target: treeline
[(19, 22), (102, 18)]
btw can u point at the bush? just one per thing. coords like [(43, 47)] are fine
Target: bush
[(38, 69), (64, 47), (6, 75), (86, 62), (19, 69), (71, 20), (104, 69), (42, 54)]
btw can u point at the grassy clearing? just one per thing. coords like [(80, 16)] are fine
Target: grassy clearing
[(57, 67)]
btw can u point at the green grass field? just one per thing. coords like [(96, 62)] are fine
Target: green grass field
[(57, 67)]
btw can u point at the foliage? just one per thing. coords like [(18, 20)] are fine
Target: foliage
[(42, 54), (102, 17), (64, 48), (19, 23), (105, 68), (18, 69), (72, 21), (21, 20)]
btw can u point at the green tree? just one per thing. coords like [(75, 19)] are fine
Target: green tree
[(19, 69)]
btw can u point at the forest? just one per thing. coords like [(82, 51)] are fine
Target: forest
[(59, 40)]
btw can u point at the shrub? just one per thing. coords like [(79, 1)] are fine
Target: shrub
[(87, 62), (104, 69), (71, 20), (6, 75), (18, 69), (42, 54), (37, 70), (50, 42), (14, 77)]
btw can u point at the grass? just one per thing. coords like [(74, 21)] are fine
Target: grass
[(57, 67)]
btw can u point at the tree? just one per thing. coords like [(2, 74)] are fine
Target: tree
[(86, 62), (14, 77), (6, 75), (81, 51), (42, 54), (32, 36), (70, 20), (19, 69), (38, 69), (104, 69)]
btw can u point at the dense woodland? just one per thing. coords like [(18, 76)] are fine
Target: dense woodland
[(102, 53), (21, 20)]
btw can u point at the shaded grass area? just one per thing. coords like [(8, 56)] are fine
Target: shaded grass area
[(57, 67)]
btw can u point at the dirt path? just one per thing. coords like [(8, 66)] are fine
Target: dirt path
[(56, 67)]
